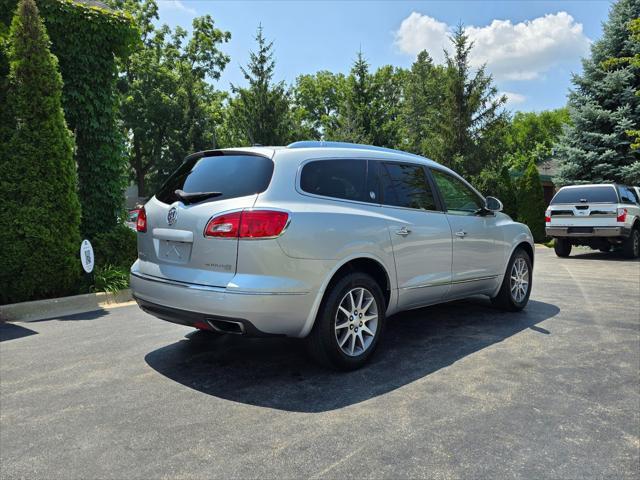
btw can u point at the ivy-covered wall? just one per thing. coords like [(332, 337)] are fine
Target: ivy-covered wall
[(88, 40)]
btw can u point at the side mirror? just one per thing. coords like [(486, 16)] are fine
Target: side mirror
[(493, 204)]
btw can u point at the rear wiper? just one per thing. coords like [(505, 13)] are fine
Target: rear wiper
[(195, 197)]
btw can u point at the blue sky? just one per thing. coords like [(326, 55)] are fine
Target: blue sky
[(531, 47)]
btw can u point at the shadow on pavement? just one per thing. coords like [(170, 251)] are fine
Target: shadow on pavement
[(276, 373), (615, 256), (11, 331), (94, 315)]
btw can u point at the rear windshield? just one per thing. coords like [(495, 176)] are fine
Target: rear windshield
[(231, 175), (597, 194)]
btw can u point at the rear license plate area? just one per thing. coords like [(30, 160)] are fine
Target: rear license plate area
[(580, 230), (175, 252)]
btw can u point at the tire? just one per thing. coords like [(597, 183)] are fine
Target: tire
[(324, 340), (511, 297), (562, 247), (631, 246)]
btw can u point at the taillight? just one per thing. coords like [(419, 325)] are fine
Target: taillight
[(547, 216), (262, 223), (224, 225), (622, 215), (247, 224), (141, 223)]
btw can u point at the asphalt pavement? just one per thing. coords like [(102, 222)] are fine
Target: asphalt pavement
[(455, 391)]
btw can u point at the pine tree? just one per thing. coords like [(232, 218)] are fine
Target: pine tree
[(531, 204), (355, 121), (472, 122), (421, 109), (603, 108), (372, 104), (260, 113), (40, 211)]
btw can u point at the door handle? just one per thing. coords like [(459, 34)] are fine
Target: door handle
[(461, 234), (404, 231)]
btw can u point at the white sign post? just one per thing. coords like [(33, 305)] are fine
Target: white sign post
[(86, 256)]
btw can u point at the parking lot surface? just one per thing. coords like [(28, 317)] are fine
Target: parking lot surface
[(454, 391)]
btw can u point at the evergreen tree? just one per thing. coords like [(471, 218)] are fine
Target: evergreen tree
[(473, 123), (531, 204), (40, 209), (372, 107), (423, 98), (498, 183), (604, 107), (260, 113), (355, 120)]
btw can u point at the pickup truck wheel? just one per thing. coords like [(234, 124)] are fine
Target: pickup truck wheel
[(516, 285), (562, 247), (349, 323), (631, 246)]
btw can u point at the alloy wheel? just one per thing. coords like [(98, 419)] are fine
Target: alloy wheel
[(519, 280), (356, 321)]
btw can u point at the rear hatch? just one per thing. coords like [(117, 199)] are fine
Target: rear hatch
[(174, 246), (583, 207)]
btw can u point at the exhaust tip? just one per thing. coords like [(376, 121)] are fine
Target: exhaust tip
[(227, 326)]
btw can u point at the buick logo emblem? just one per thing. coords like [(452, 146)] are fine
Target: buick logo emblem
[(172, 216)]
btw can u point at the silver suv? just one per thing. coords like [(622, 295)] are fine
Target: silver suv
[(321, 241)]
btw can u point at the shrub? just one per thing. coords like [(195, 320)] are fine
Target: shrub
[(111, 279), (40, 214), (498, 183), (117, 247), (531, 204)]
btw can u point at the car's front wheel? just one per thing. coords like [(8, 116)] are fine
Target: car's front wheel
[(516, 285), (349, 323)]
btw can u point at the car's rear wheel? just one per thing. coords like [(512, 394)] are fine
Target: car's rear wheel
[(516, 285), (562, 247), (631, 246), (349, 323)]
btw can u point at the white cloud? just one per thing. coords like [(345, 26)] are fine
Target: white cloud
[(521, 51), (174, 5), (513, 98)]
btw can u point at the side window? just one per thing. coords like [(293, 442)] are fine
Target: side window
[(406, 186), (458, 198), (345, 179), (627, 195)]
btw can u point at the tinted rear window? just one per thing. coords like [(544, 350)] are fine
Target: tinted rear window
[(233, 175), (599, 194), (405, 186), (346, 179), (628, 195)]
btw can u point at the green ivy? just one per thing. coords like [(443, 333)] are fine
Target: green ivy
[(88, 40)]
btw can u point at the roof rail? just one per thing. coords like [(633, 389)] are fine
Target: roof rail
[(355, 146)]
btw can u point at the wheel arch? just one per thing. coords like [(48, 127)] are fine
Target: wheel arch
[(361, 263), (527, 247)]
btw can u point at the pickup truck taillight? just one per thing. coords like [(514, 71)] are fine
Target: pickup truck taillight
[(547, 216), (141, 222), (247, 224), (622, 215)]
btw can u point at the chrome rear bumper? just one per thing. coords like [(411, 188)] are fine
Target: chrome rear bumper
[(587, 231)]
